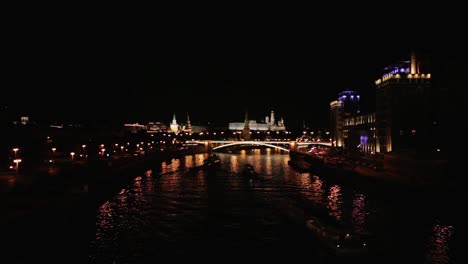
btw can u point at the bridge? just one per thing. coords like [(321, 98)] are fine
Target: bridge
[(283, 145)]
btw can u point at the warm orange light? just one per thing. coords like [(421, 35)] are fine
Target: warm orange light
[(17, 161), (15, 150)]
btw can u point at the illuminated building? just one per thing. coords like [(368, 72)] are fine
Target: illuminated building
[(24, 120), (359, 133), (268, 125), (403, 106), (347, 105), (336, 123), (155, 127), (351, 103), (174, 126), (188, 127), (135, 127)]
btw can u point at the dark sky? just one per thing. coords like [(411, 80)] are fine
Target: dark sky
[(215, 74)]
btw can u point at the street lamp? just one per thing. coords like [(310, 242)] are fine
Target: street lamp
[(53, 156), (15, 150), (72, 154), (17, 161), (84, 150)]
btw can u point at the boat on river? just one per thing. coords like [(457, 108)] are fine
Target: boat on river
[(340, 242), (212, 162), (249, 172)]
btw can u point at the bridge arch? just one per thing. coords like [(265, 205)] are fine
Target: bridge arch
[(253, 143)]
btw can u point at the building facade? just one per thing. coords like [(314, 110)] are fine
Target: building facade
[(403, 106), (269, 124), (336, 123), (347, 106), (351, 103), (359, 134)]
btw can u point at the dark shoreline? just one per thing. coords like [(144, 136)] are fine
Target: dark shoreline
[(56, 226), (380, 179)]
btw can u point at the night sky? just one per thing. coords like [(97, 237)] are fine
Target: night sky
[(214, 75)]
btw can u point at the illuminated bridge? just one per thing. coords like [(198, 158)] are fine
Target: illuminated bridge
[(283, 145)]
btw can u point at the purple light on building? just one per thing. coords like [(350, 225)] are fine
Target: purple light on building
[(363, 140)]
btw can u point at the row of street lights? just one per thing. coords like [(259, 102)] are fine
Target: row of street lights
[(72, 154), (16, 160)]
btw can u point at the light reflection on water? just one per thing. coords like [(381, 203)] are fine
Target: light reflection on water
[(199, 158), (438, 245), (268, 165), (334, 203), (234, 164), (189, 161), (316, 195), (359, 213), (159, 213)]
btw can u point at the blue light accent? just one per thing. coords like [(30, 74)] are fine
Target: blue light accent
[(363, 140)]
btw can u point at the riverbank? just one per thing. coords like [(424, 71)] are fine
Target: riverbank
[(414, 179), (75, 186)]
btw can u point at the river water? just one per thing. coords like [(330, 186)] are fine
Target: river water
[(173, 213)]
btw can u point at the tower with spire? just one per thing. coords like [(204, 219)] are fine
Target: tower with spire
[(272, 118), (246, 130), (188, 126), (174, 126)]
